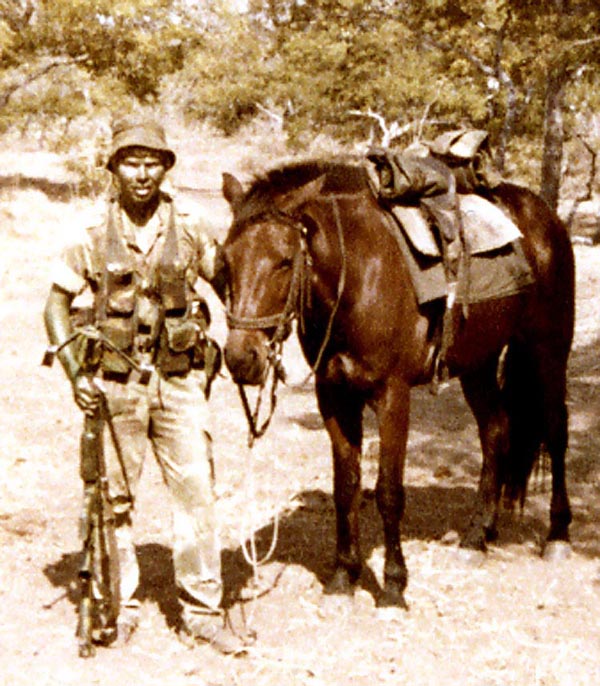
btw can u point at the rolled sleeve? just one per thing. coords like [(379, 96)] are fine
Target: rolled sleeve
[(66, 278), (207, 250), (72, 270), (210, 262)]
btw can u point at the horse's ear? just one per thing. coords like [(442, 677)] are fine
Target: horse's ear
[(299, 196), (233, 191)]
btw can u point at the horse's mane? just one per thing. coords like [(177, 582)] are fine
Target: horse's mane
[(341, 176)]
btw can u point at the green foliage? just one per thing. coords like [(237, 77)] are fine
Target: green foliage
[(129, 44), (426, 65), (136, 41), (317, 76), (229, 76)]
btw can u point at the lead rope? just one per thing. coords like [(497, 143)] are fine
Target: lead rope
[(247, 540), (256, 430), (248, 543)]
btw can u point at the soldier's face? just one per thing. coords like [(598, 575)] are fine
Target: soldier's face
[(139, 174)]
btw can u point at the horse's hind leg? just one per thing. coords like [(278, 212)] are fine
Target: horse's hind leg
[(341, 410), (535, 392), (483, 395), (552, 366)]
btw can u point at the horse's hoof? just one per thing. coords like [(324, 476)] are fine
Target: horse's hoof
[(555, 551), (391, 599), (339, 584), (470, 556)]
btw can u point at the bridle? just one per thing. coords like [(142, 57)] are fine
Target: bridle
[(297, 297), (280, 321)]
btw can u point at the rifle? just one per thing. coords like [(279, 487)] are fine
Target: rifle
[(99, 571)]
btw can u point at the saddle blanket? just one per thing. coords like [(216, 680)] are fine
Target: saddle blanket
[(499, 270), (486, 227)]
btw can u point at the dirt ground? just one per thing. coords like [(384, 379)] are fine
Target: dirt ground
[(513, 620)]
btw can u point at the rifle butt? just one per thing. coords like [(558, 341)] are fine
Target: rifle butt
[(85, 623)]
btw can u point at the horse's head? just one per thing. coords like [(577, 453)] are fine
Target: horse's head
[(265, 257)]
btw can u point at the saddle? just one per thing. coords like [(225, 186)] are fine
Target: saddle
[(458, 246), (485, 226), (495, 264), (491, 261)]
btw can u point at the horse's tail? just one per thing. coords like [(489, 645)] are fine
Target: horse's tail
[(523, 397)]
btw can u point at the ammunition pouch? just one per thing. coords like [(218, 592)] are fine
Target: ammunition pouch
[(176, 346), (207, 353), (207, 356), (183, 346), (173, 289), (120, 332), (149, 322), (121, 292), (117, 324)]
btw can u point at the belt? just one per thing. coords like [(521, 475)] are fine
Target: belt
[(119, 377), (123, 377)]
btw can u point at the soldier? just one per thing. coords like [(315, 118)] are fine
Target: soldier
[(141, 264)]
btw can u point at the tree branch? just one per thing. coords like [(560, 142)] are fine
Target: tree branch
[(389, 132), (588, 191), (9, 91)]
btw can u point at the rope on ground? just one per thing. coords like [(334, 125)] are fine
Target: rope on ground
[(247, 535)]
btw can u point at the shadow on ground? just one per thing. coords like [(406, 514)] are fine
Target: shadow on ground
[(306, 535), (157, 579)]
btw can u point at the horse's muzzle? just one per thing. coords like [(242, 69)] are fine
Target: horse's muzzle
[(246, 354)]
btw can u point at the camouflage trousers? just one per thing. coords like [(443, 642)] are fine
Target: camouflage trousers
[(172, 415)]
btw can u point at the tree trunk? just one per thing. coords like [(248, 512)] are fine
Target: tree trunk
[(553, 136)]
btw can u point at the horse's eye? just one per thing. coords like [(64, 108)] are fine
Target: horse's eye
[(286, 263)]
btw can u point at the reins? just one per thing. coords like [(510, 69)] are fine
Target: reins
[(281, 322), (340, 288)]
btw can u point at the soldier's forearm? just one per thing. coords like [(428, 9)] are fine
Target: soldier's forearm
[(58, 328)]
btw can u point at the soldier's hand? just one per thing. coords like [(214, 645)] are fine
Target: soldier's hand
[(87, 394)]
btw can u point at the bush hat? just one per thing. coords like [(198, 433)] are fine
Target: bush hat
[(139, 132)]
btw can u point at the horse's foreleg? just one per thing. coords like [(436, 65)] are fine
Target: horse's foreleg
[(342, 414), (393, 411), (483, 395)]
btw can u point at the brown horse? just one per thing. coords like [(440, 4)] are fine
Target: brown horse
[(309, 241)]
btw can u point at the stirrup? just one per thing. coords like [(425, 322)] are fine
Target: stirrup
[(441, 375)]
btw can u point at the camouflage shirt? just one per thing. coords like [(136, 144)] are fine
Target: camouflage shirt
[(83, 261)]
